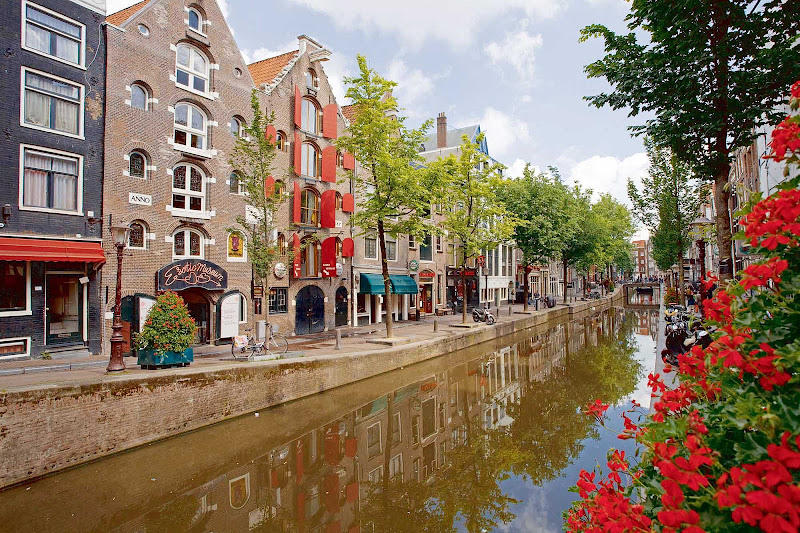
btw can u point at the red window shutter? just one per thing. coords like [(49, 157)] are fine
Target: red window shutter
[(296, 203), (269, 186), (334, 527), (351, 444), (274, 479), (348, 203), (349, 162), (298, 153), (330, 124), (271, 134), (298, 107), (332, 494), (301, 506), (332, 447), (296, 271), (352, 492), (355, 529), (328, 209), (329, 257), (329, 164), (348, 247)]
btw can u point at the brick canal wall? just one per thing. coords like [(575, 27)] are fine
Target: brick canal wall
[(48, 428)]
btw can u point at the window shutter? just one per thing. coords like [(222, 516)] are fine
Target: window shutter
[(296, 270), (348, 247), (350, 445), (330, 125), (348, 203), (328, 209), (329, 257), (301, 496), (352, 491), (349, 162), (329, 164), (332, 447), (298, 107), (298, 153), (296, 203), (333, 527), (271, 134), (269, 186)]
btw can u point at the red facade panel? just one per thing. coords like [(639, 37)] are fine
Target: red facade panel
[(348, 203), (332, 448), (327, 209), (329, 164), (330, 124), (352, 492), (271, 134), (351, 444), (298, 153), (298, 107), (348, 247), (296, 271), (296, 203), (349, 162), (329, 257), (269, 186), (332, 493)]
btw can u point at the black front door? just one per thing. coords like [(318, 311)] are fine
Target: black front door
[(309, 311), (341, 307)]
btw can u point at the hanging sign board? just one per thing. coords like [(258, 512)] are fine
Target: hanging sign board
[(191, 273)]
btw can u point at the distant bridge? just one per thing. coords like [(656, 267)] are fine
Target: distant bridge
[(645, 294)]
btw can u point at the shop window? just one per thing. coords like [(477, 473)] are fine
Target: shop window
[(140, 96), (277, 301), (190, 127), (14, 287), (311, 160), (188, 188), (187, 243), (309, 118), (52, 104), (309, 258), (237, 247), (370, 246), (191, 69), (137, 165), (53, 35), (309, 207), (137, 238), (51, 181)]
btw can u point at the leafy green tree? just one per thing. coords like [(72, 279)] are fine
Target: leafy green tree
[(709, 72), (581, 234), (539, 203), (615, 228), (666, 204), (251, 160), (474, 216), (395, 193)]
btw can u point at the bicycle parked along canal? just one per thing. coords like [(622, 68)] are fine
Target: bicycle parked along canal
[(275, 343)]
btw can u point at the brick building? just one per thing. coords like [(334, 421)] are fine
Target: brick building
[(53, 81)]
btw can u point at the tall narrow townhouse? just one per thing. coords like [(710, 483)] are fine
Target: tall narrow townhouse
[(178, 98), (310, 290), (53, 86)]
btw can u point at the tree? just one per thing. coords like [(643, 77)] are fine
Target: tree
[(396, 194), (667, 203), (615, 228), (710, 72), (539, 203), (251, 160), (581, 237), (475, 217)]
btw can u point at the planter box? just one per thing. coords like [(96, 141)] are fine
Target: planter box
[(148, 359)]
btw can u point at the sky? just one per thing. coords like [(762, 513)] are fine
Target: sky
[(516, 67)]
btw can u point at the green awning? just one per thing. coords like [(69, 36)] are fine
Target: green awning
[(403, 284), (371, 284)]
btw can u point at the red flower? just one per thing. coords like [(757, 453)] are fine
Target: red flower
[(597, 408)]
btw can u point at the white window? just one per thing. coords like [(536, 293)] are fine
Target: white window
[(309, 118), (140, 96), (391, 249), (376, 476), (191, 70), (412, 241), (186, 244), (237, 127), (236, 185), (49, 33), (370, 246), (190, 128), (137, 238), (310, 164), (312, 82), (374, 439), (52, 104), (188, 189), (13, 348), (396, 467), (195, 20), (50, 181)]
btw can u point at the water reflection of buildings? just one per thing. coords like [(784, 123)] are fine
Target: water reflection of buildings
[(319, 481)]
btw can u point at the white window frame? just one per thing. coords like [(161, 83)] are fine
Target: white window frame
[(242, 259), (15, 340), (380, 437), (305, 115), (57, 153), (377, 251), (82, 51), (147, 97), (28, 311), (187, 244), (305, 158), (379, 475), (201, 19), (81, 103), (388, 255), (189, 131), (400, 470), (146, 165), (145, 234), (188, 193), (192, 73)]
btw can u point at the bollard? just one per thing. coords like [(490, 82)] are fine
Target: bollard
[(338, 340), (435, 325), (509, 310)]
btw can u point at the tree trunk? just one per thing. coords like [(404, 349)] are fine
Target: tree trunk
[(681, 292), (564, 263), (722, 197), (463, 292), (526, 288), (387, 297)]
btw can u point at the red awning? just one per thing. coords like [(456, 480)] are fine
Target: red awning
[(18, 249)]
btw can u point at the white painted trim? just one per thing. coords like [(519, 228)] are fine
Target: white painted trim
[(82, 63), (81, 103), (28, 311), (22, 148), (12, 340), (213, 66)]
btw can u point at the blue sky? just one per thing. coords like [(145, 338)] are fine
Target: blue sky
[(514, 66)]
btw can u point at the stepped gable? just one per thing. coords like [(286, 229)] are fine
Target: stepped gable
[(266, 71)]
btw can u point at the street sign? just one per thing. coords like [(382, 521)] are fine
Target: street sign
[(481, 260)]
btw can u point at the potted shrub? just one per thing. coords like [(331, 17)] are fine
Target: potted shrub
[(167, 334)]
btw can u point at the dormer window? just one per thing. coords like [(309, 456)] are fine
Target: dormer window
[(191, 69), (195, 20), (312, 81)]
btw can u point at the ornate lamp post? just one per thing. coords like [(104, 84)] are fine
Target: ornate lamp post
[(119, 233)]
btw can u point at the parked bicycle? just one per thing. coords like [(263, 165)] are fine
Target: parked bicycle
[(275, 343)]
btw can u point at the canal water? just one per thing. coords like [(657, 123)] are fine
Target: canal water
[(487, 439)]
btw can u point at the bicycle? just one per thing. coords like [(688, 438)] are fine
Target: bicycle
[(274, 344)]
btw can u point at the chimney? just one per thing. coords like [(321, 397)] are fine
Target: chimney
[(441, 131)]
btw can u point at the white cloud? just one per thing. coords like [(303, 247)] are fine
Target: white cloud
[(413, 85), (415, 21), (517, 49), (515, 169), (336, 68), (607, 174), (505, 134)]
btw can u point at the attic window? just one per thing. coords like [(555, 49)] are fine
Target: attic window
[(312, 81), (144, 30), (237, 72), (195, 20)]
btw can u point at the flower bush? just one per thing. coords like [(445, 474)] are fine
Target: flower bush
[(168, 327), (721, 450), (671, 296)]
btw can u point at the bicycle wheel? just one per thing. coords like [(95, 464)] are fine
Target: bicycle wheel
[(278, 343)]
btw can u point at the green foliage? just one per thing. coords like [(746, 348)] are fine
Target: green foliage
[(168, 327), (615, 229), (671, 296)]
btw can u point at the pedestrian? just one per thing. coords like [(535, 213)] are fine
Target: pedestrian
[(690, 300)]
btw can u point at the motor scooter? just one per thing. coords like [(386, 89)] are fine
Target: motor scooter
[(483, 314)]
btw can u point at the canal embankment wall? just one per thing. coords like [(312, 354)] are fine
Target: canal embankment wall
[(47, 428)]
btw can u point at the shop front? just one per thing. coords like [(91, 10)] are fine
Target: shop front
[(427, 290), (371, 297), (468, 290)]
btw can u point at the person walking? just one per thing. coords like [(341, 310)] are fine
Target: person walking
[(691, 303)]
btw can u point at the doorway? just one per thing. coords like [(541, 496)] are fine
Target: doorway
[(309, 311), (64, 309), (200, 311), (341, 307), (426, 297)]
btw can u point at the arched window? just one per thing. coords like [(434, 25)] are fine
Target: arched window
[(310, 160), (309, 119), (236, 185), (191, 68), (339, 159), (338, 248), (280, 188), (312, 82), (137, 165), (140, 96), (137, 238), (237, 249), (187, 243), (195, 20), (190, 127), (309, 207), (237, 127), (281, 244), (188, 188), (338, 200), (280, 141), (309, 258)]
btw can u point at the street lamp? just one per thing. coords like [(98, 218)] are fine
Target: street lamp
[(119, 232), (699, 226)]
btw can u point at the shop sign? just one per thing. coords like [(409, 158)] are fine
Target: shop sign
[(413, 265), (339, 270), (430, 274), (457, 272), (258, 291), (279, 270), (192, 273)]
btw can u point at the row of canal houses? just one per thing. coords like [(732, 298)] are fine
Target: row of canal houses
[(131, 119)]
